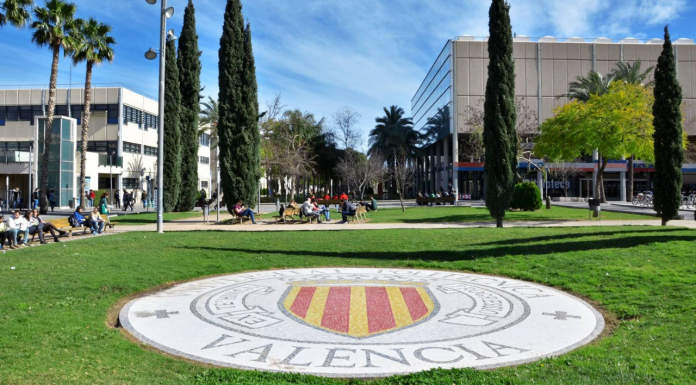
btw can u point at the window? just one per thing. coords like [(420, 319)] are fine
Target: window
[(150, 150), (204, 184), (204, 160), (141, 118), (204, 140), (102, 146), (130, 183), (131, 148)]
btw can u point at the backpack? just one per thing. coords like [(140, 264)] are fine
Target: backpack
[(73, 221)]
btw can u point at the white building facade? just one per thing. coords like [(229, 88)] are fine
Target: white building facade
[(121, 150)]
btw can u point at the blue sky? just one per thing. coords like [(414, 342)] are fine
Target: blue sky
[(322, 54)]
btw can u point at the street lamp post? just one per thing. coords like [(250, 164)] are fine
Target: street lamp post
[(111, 178), (151, 55)]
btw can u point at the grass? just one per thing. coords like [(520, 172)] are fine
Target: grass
[(149, 218), (469, 214), (53, 307)]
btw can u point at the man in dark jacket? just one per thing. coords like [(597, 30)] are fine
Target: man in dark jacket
[(347, 209)]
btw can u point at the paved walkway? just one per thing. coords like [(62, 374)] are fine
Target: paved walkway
[(196, 224)]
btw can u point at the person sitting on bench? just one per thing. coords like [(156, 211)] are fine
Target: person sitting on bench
[(78, 219), (47, 226), (347, 210), (309, 212), (17, 225), (4, 233), (96, 222), (242, 211), (35, 226)]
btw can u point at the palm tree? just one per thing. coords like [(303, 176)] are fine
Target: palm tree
[(55, 28), (208, 120), (15, 12), (94, 46), (392, 124), (631, 73), (593, 84)]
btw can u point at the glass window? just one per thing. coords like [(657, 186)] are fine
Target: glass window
[(204, 160), (102, 146), (204, 184), (130, 183), (204, 140), (150, 150), (132, 148)]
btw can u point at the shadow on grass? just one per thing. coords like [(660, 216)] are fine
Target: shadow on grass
[(560, 247), (547, 238), (474, 219)]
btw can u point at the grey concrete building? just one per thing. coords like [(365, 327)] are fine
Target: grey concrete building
[(452, 94)]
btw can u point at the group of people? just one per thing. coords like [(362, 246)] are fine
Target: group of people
[(19, 227), (94, 220), (312, 209), (129, 199)]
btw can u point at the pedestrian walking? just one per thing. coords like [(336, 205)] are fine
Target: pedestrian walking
[(117, 196)]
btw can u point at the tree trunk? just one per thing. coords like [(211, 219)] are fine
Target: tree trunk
[(499, 222), (48, 127), (629, 195), (600, 180), (403, 208), (85, 130)]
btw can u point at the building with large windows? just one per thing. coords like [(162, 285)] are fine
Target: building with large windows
[(121, 149), (447, 104)]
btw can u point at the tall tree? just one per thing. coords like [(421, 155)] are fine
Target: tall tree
[(15, 12), (189, 85), (172, 133), (669, 139), (251, 168), (54, 27), (499, 133), (94, 46), (616, 124), (633, 74), (237, 131)]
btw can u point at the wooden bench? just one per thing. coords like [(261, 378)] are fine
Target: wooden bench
[(63, 224), (290, 212), (327, 202), (360, 214), (240, 220), (424, 200)]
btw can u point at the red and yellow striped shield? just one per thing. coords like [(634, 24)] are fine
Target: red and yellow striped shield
[(359, 311)]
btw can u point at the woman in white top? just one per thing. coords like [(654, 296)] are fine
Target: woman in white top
[(3, 232)]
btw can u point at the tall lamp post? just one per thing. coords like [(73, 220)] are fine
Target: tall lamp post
[(111, 177), (152, 55)]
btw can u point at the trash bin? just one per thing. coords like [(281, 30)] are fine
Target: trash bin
[(71, 203), (595, 207)]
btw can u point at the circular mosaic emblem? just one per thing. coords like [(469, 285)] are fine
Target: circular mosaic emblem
[(361, 322)]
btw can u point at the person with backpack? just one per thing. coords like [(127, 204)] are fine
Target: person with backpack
[(77, 219), (126, 199)]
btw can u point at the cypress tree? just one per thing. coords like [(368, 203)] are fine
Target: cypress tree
[(189, 85), (238, 135), (251, 103), (172, 134), (669, 149), (499, 133)]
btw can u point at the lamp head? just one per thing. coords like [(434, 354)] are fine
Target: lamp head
[(171, 36), (150, 54), (151, 2), (169, 12)]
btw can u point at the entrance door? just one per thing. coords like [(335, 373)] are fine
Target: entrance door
[(586, 188)]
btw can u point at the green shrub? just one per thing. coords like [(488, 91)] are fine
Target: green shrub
[(526, 197)]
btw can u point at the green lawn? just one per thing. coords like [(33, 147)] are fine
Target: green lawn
[(439, 214), (148, 218), (53, 307)]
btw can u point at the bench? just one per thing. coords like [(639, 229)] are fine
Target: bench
[(240, 220), (360, 214), (290, 212), (423, 201), (327, 202)]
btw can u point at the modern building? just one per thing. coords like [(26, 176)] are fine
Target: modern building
[(121, 149), (450, 99)]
